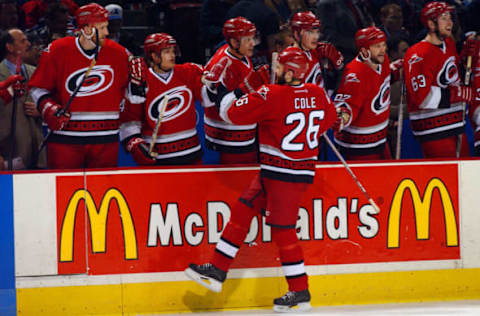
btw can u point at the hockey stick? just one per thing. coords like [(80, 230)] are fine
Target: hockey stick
[(398, 147), (274, 67), (163, 106), (468, 72), (75, 92), (360, 186), (13, 120)]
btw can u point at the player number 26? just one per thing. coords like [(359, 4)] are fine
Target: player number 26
[(311, 130), (418, 82)]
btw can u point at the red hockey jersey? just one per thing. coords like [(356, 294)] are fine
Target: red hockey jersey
[(367, 93), (177, 139), (291, 119), (429, 70), (96, 107), (219, 135), (314, 72)]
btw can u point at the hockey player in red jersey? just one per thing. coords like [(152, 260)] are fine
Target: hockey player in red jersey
[(305, 28), (87, 134), (291, 117), (364, 97), (435, 97), (177, 141), (236, 143)]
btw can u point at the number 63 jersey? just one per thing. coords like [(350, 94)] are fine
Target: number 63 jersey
[(429, 70), (291, 119)]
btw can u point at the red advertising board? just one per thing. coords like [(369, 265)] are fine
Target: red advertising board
[(162, 221)]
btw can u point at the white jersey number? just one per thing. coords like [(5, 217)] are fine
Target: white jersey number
[(311, 132)]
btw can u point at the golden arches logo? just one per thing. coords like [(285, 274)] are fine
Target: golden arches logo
[(422, 212), (98, 224)]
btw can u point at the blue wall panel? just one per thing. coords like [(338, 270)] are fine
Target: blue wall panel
[(7, 256)]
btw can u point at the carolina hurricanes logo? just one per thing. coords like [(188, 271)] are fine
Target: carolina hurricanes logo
[(99, 80), (381, 101), (414, 59), (351, 77), (179, 100), (448, 74)]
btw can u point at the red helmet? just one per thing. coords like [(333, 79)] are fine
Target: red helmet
[(294, 59), (157, 41), (305, 20), (433, 10), (369, 36), (90, 14), (238, 27)]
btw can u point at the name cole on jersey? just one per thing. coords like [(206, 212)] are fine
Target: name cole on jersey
[(430, 70), (292, 120)]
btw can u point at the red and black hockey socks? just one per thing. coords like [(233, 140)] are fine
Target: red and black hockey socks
[(291, 256), (233, 236)]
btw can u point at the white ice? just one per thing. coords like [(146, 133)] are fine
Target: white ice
[(451, 308)]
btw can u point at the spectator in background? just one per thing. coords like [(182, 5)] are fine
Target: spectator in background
[(267, 25), (55, 25), (28, 124), (116, 33), (338, 26), (212, 16), (8, 15), (391, 17), (35, 10), (397, 47), (34, 51)]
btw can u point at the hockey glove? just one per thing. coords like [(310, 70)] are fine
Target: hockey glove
[(344, 115), (460, 93), (471, 47), (328, 51), (255, 79), (54, 115), (215, 75), (396, 69), (138, 70), (8, 87), (138, 147)]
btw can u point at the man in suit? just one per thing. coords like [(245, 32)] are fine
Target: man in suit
[(28, 124)]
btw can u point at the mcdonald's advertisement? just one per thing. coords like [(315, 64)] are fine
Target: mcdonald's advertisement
[(142, 222)]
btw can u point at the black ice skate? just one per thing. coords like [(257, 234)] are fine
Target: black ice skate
[(292, 302), (206, 275)]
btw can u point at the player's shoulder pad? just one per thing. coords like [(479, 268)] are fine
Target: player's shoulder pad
[(59, 45), (110, 44)]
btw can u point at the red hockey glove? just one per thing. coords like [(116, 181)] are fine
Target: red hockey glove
[(54, 115), (255, 79), (344, 115), (396, 69), (212, 77), (138, 147), (138, 70), (328, 51), (14, 81), (471, 47), (460, 93)]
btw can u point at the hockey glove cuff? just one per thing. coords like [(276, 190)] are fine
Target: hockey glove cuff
[(344, 115), (460, 93), (255, 79), (328, 51), (138, 147), (54, 115)]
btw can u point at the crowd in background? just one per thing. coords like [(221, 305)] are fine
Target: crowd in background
[(197, 28)]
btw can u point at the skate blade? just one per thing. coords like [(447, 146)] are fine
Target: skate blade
[(209, 283), (301, 307)]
